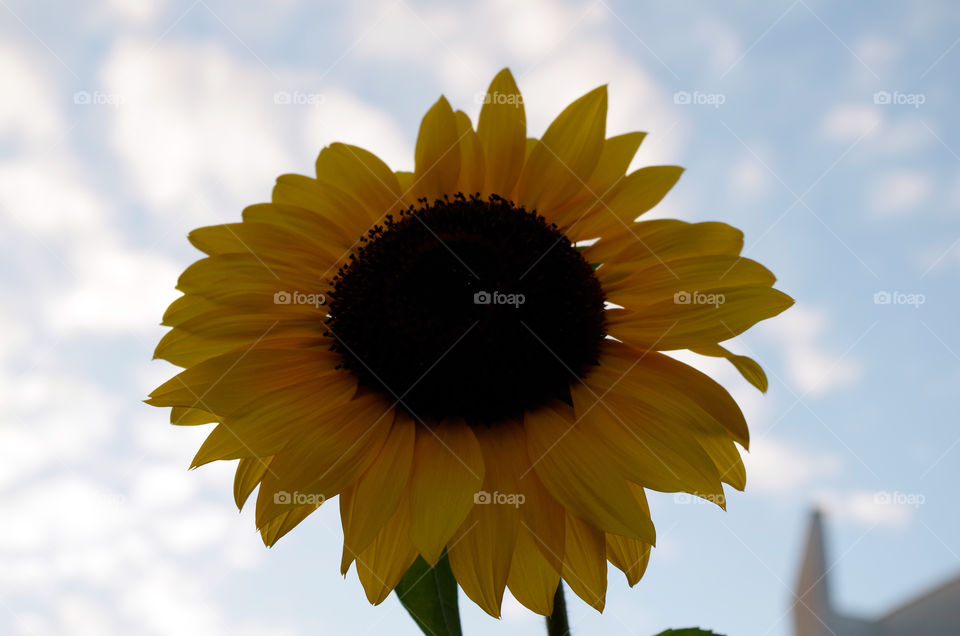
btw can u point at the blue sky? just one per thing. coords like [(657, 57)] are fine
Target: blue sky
[(823, 130)]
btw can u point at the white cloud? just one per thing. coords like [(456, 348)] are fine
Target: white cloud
[(103, 531), (871, 508), (28, 106), (195, 129), (877, 52), (538, 27), (49, 417), (117, 290), (901, 137), (137, 11), (636, 101), (811, 369), (524, 33), (900, 192), (749, 180), (556, 53), (720, 45), (778, 468), (346, 118), (849, 122), (47, 196), (202, 134)]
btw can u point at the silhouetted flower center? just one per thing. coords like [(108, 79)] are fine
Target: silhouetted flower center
[(467, 308)]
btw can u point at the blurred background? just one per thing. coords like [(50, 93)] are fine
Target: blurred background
[(823, 130)]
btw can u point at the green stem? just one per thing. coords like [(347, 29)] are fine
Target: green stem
[(557, 623)]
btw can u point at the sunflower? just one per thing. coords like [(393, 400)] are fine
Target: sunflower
[(470, 355)]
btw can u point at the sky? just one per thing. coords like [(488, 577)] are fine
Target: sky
[(826, 131)]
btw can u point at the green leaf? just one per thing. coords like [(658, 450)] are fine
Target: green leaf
[(430, 596), (688, 631)]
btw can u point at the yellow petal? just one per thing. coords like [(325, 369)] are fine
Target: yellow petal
[(250, 471), (447, 472), (437, 155), (185, 308), (614, 160), (301, 221), (585, 562), (532, 580), (224, 384), (648, 451), (229, 272), (670, 325), (472, 163), (502, 129), (405, 179), (214, 334), (383, 563), (325, 199), (726, 458), (481, 549), (675, 383), (663, 240), (751, 371), (276, 528), (542, 516), (560, 164), (576, 468), (367, 505), (328, 457), (629, 556), (617, 154), (363, 176), (269, 242), (265, 426), (185, 416), (634, 376), (638, 192), (690, 279)]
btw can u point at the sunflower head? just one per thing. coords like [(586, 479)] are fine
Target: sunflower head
[(469, 356)]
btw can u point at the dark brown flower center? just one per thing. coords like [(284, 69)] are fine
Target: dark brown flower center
[(467, 308)]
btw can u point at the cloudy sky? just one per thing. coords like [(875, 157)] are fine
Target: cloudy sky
[(826, 131)]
